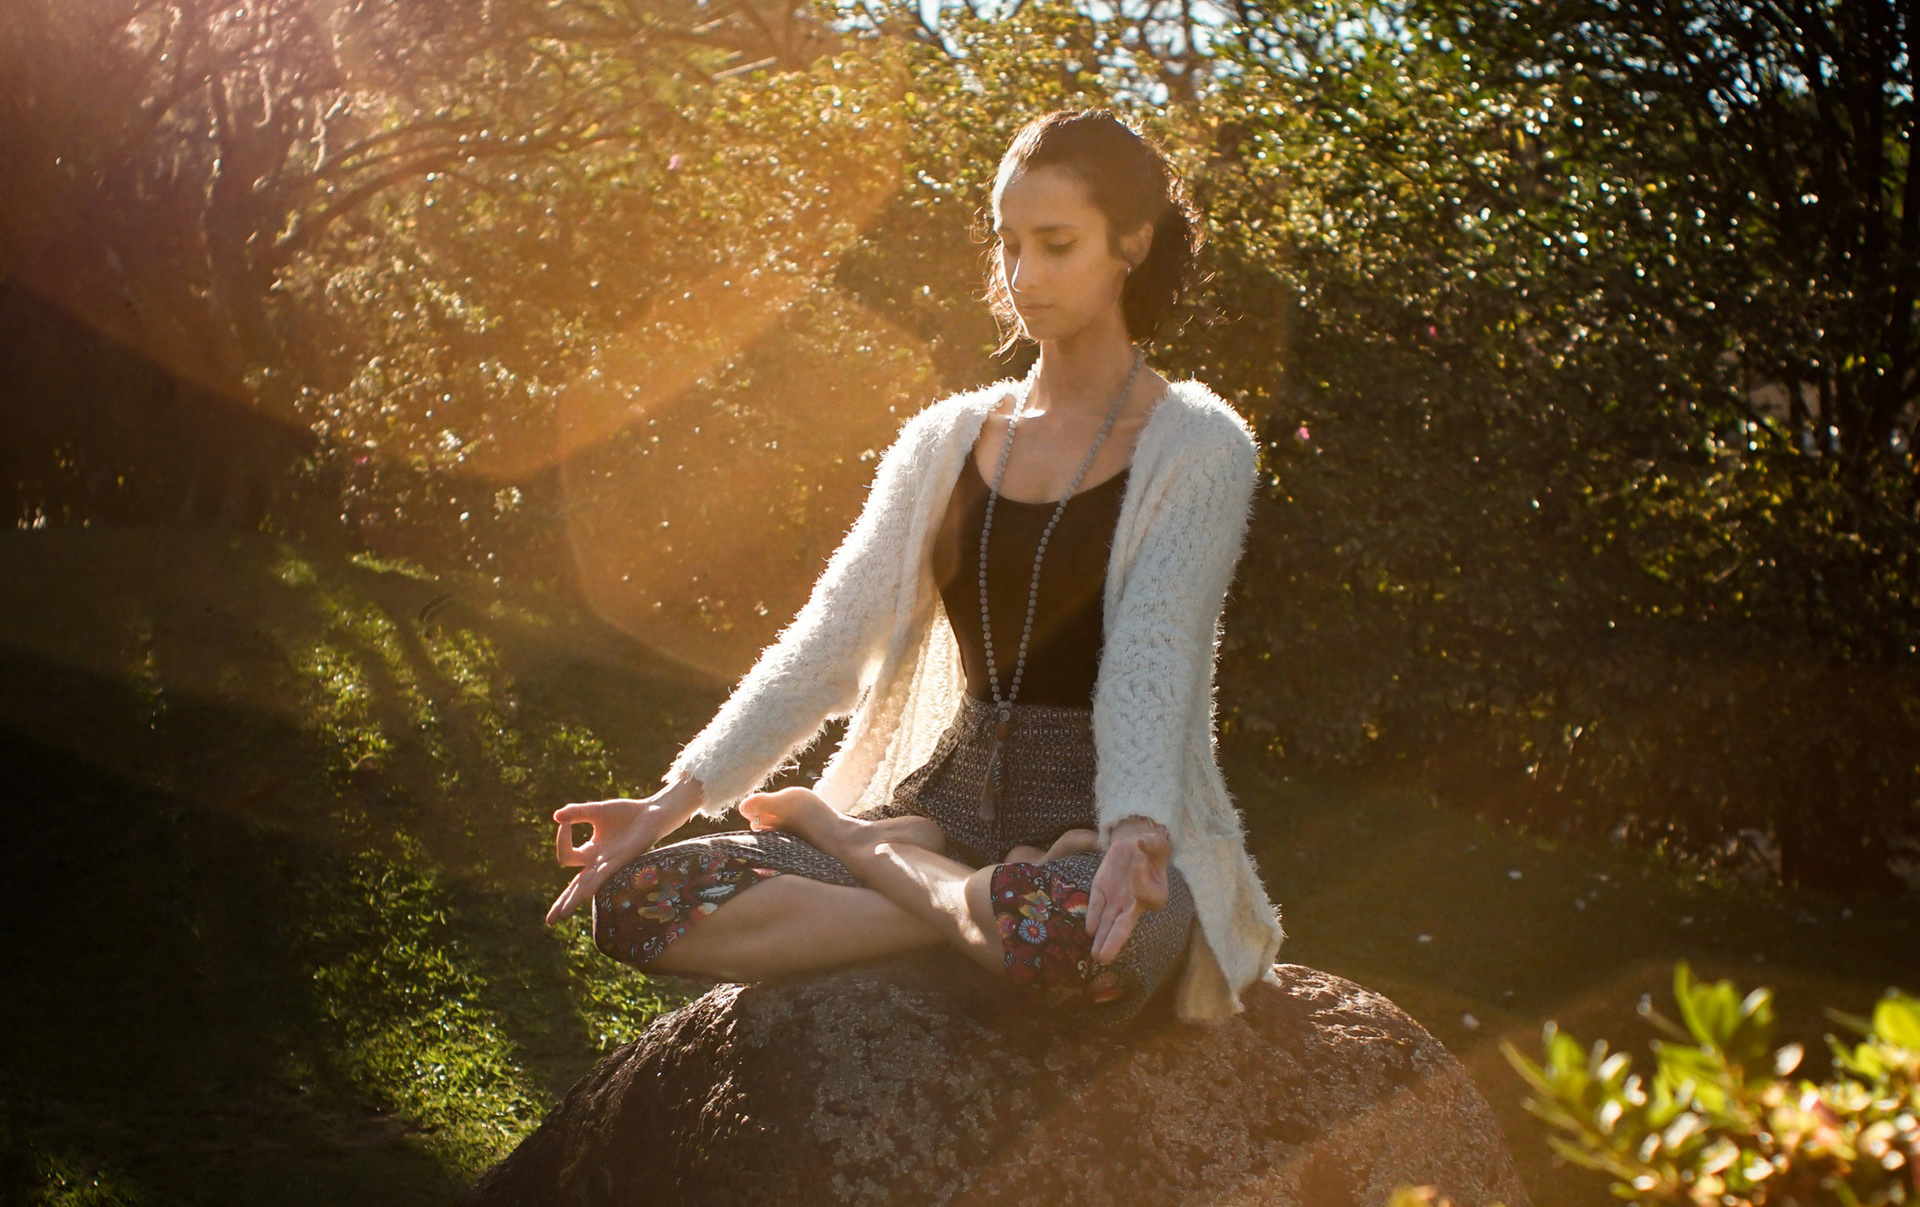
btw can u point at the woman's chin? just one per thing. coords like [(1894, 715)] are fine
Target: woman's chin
[(1048, 326)]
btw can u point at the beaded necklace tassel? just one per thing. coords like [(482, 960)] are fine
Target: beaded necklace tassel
[(991, 791), (992, 785)]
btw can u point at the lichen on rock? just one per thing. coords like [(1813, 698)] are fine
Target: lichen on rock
[(919, 1081)]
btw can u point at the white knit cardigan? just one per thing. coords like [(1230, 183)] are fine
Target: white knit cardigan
[(872, 643)]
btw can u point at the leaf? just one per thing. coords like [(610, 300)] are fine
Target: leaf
[(1896, 1020), (1709, 1011)]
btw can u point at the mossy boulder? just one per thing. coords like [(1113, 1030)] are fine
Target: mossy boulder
[(915, 1081)]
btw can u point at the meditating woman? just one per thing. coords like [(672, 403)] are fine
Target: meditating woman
[(1020, 628)]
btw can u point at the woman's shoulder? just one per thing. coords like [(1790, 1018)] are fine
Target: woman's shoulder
[(926, 430), (940, 415), (1200, 417)]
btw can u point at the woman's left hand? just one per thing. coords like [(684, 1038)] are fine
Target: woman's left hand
[(1131, 881)]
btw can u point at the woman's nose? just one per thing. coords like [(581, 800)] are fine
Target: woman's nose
[(1023, 275)]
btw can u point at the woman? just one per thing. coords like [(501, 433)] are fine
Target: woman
[(1028, 771)]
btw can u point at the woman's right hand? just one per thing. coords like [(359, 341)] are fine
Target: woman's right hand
[(623, 830)]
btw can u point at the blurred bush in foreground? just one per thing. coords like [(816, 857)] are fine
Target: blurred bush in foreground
[(1721, 1120)]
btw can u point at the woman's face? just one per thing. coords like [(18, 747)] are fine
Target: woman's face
[(1053, 244)]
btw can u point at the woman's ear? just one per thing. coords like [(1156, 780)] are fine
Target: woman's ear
[(1136, 246)]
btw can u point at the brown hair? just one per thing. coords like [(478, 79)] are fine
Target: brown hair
[(1130, 182)]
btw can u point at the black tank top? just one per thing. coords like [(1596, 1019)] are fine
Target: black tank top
[(1063, 650)]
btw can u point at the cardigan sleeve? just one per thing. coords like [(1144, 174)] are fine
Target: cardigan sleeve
[(1159, 666), (815, 668)]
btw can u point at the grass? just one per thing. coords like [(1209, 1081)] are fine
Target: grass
[(276, 853), (284, 850)]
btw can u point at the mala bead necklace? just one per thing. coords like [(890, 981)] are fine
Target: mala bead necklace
[(1005, 707)]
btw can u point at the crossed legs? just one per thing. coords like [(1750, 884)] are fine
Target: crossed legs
[(790, 925), (945, 894), (911, 895)]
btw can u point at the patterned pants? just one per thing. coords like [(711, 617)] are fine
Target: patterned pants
[(1040, 908)]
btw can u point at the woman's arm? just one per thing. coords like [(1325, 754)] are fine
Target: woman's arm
[(813, 670), (1161, 641), (1157, 663)]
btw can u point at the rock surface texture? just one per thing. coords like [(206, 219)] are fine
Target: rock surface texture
[(914, 1082)]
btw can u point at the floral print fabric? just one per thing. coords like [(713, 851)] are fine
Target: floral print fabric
[(1043, 926), (654, 901), (1040, 911)]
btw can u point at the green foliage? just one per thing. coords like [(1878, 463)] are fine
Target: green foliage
[(63, 1182), (1530, 537), (319, 859), (1719, 1121), (1582, 340)]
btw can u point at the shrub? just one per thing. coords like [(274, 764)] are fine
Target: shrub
[(1720, 1121)]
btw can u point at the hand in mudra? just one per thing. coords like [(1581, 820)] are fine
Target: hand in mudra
[(1132, 880), (623, 830)]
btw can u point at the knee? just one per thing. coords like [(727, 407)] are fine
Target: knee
[(606, 924)]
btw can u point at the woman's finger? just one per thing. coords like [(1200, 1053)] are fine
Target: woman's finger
[(563, 904), (578, 890), (588, 811), (1110, 891), (1102, 941), (1114, 935), (563, 843), (1114, 907), (1096, 905)]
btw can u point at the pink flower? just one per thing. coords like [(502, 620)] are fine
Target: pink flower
[(673, 162), (1303, 434)]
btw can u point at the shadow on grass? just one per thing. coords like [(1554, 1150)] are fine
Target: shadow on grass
[(162, 1030), (276, 928)]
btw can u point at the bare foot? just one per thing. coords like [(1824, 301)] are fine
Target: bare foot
[(919, 831), (1074, 842), (797, 811), (1132, 880), (801, 811)]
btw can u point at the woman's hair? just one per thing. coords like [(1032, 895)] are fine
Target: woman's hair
[(1130, 182)]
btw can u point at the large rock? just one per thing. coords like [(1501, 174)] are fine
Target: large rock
[(913, 1082)]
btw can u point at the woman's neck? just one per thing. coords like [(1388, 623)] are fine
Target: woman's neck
[(1082, 374)]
